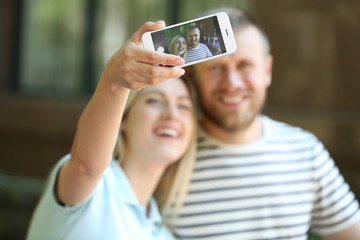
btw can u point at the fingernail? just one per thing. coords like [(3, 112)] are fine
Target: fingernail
[(160, 21), (181, 72), (179, 61)]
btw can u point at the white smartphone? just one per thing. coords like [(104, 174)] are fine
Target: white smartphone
[(196, 41)]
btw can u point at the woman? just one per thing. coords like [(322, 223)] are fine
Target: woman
[(178, 46), (91, 196)]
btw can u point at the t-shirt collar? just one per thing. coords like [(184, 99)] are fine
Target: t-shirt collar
[(128, 196)]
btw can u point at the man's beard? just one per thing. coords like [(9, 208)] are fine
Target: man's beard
[(233, 121), (194, 45)]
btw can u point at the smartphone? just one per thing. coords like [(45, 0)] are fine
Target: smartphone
[(196, 41)]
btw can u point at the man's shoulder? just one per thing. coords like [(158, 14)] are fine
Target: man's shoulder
[(277, 128), (203, 45)]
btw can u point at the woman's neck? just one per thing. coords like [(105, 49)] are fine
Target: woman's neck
[(143, 178)]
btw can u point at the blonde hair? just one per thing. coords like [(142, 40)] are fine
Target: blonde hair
[(171, 49), (173, 185)]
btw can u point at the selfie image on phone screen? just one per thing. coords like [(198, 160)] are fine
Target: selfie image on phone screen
[(193, 41)]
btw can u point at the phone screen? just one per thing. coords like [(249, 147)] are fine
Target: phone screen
[(192, 41)]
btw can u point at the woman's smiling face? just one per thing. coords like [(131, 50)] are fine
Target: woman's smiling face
[(179, 46), (160, 123)]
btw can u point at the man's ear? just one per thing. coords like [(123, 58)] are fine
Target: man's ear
[(268, 70)]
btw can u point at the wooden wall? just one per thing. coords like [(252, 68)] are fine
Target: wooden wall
[(316, 85)]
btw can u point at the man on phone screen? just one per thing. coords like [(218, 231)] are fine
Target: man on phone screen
[(254, 177), (196, 50)]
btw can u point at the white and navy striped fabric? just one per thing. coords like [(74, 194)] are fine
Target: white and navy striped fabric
[(279, 187), (200, 52)]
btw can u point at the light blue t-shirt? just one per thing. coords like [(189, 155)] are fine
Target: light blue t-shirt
[(112, 212)]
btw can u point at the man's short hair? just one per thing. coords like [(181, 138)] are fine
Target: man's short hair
[(191, 27), (240, 20)]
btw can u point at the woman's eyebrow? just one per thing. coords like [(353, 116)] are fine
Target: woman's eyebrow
[(154, 92), (187, 96)]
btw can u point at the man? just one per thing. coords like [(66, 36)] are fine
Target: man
[(256, 178), (196, 50)]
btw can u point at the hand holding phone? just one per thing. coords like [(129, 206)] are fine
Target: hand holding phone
[(134, 67), (196, 41)]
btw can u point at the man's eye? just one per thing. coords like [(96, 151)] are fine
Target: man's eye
[(215, 68), (243, 65)]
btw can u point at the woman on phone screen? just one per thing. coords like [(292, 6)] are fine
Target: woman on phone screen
[(178, 46)]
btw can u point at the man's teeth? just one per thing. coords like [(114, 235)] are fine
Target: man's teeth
[(231, 100), (167, 132)]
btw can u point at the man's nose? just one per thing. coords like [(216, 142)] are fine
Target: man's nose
[(233, 79)]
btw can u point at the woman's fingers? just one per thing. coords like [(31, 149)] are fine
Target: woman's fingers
[(135, 67), (136, 75), (148, 56), (155, 72), (152, 57)]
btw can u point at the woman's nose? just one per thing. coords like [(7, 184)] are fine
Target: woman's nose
[(170, 111)]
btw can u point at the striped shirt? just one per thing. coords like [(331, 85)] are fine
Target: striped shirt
[(279, 187), (200, 52)]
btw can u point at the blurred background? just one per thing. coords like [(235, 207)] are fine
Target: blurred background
[(52, 54)]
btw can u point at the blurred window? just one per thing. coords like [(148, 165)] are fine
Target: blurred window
[(66, 43)]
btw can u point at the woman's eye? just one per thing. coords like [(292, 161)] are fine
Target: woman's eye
[(153, 101), (185, 106)]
